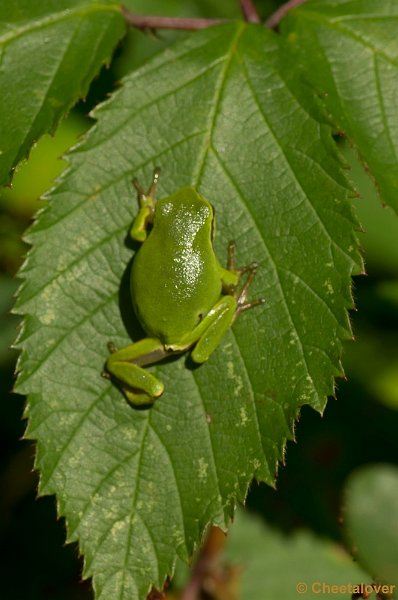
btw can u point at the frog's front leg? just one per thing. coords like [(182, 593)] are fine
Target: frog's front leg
[(147, 201), (125, 365)]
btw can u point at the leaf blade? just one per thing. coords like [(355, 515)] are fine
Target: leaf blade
[(283, 564), (49, 57), (193, 455), (348, 53)]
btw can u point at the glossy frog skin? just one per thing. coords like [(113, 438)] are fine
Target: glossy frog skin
[(181, 294)]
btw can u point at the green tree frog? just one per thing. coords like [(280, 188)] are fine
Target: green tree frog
[(181, 294)]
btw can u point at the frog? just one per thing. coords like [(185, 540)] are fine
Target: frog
[(182, 296)]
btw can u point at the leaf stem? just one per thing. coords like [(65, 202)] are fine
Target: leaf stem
[(154, 22), (273, 21), (249, 11), (205, 564)]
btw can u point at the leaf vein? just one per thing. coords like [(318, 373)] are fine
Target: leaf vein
[(290, 168), (312, 291), (272, 262), (335, 24)]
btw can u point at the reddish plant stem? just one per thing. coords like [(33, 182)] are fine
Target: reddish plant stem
[(273, 21), (249, 11), (153, 22), (206, 561)]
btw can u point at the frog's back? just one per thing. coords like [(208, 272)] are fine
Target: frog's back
[(175, 276)]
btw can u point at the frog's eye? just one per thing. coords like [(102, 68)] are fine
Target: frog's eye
[(213, 224)]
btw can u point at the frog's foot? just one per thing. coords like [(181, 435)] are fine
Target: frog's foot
[(151, 193), (147, 201), (137, 398), (138, 385), (241, 295), (125, 366)]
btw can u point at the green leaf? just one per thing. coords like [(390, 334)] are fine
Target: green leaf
[(49, 54), (220, 112), (348, 50), (371, 517), (379, 223), (281, 566)]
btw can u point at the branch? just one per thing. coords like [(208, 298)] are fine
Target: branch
[(278, 15), (153, 22), (249, 11), (205, 564)]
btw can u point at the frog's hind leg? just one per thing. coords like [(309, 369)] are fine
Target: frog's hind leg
[(139, 386), (220, 319), (125, 365), (215, 324)]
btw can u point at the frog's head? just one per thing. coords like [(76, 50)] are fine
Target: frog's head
[(187, 214)]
